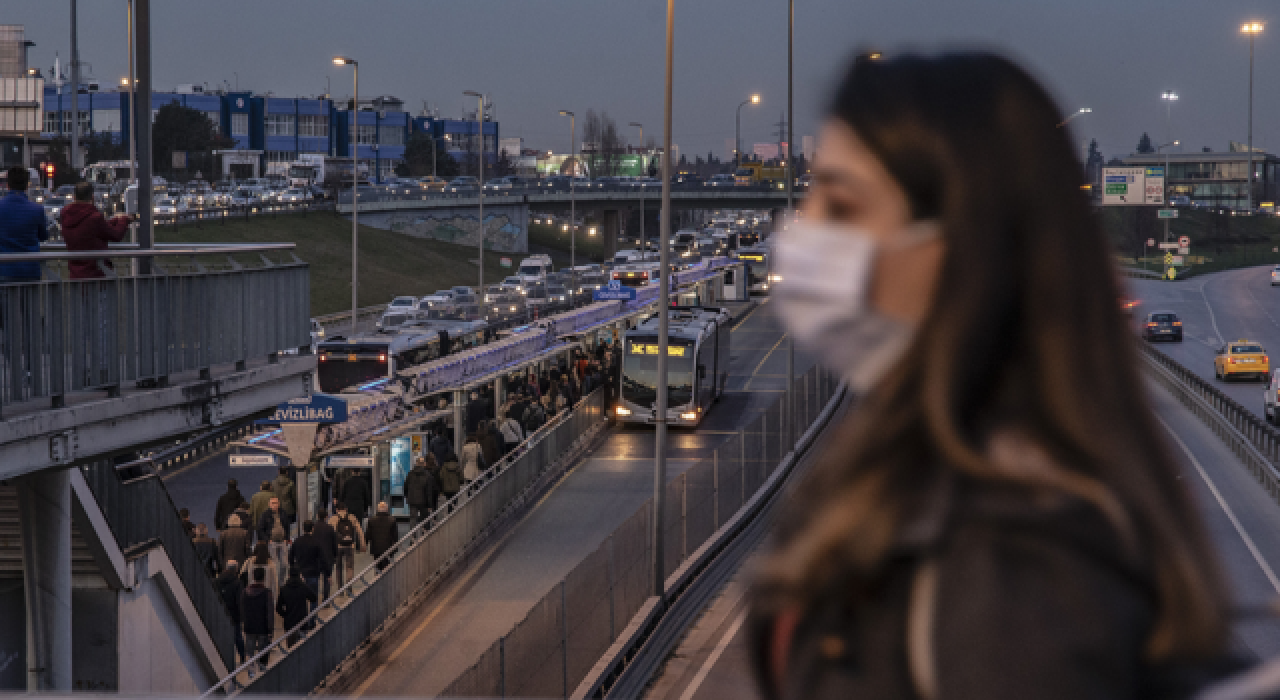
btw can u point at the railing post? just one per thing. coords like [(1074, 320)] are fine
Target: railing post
[(564, 641), (742, 463), (684, 516), (715, 489), (502, 666), (613, 632)]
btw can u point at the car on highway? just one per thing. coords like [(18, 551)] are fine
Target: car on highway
[(463, 183), (431, 183), (1243, 358), (500, 183), (511, 284), (1162, 325), (1271, 399), (1127, 305), (720, 180), (1275, 275), (294, 195)]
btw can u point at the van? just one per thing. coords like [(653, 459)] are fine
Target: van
[(534, 268)]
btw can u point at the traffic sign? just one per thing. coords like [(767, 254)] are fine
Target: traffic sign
[(1133, 186), (1171, 273), (505, 262), (1167, 214), (1168, 246), (1168, 258), (1184, 251), (615, 291), (1151, 242), (1184, 241)]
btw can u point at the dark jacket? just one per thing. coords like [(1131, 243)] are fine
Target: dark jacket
[(284, 490), (450, 476), (1045, 583), (420, 487), (256, 609), (309, 556), (233, 543), (230, 587), (491, 444), (22, 227), (328, 539), (207, 550), (440, 448), (292, 606), (85, 228), (477, 411), (227, 504), (356, 494), (267, 522), (382, 534)]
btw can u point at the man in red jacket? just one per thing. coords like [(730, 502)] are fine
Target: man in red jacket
[(85, 228)]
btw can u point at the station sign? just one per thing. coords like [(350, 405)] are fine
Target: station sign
[(317, 408), (348, 462), (1167, 214), (1133, 186), (253, 460), (615, 291)]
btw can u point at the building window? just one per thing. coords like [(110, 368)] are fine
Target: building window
[(52, 123), (281, 156), (391, 135), (366, 134), (240, 124), (313, 125), (279, 125), (106, 120)]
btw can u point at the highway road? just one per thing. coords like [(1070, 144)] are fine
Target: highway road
[(484, 602), (1243, 521)]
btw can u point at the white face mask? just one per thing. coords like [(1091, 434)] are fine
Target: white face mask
[(823, 297)]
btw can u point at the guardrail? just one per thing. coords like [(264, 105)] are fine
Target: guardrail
[(1250, 438), (61, 336), (558, 643), (417, 560), (384, 199)]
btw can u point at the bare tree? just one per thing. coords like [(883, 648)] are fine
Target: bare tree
[(601, 143)]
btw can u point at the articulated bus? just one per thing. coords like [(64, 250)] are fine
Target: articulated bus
[(371, 361), (757, 261), (697, 366)]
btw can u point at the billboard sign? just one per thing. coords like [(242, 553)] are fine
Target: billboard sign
[(1133, 186)]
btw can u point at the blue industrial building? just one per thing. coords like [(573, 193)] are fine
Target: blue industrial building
[(457, 137)]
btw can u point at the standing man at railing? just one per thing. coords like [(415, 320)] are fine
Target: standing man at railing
[(85, 228), (22, 227)]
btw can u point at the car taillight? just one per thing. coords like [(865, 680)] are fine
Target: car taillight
[(1177, 323), (1152, 324), (382, 358)]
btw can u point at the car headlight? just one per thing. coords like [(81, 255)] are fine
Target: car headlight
[(623, 411), (689, 416)]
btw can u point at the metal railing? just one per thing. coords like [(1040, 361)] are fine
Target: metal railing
[(139, 511), (417, 559), (550, 651), (1249, 437), (60, 336)]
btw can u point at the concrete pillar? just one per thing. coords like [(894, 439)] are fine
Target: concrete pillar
[(611, 229), (499, 392), (44, 515), (459, 422)]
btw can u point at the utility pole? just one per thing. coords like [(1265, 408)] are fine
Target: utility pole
[(75, 97), (664, 313), (142, 119), (791, 207)]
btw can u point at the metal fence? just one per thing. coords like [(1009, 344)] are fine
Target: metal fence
[(139, 511), (419, 558), (549, 652), (62, 336)]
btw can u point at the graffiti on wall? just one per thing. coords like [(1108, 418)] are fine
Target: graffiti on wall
[(502, 231)]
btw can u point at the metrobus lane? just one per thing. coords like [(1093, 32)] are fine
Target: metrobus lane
[(1215, 309), (450, 631)]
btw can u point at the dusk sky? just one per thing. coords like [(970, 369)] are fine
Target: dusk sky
[(535, 57)]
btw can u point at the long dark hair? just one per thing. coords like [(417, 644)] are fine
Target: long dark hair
[(1026, 336)]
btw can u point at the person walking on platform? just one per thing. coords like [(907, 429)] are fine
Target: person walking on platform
[(329, 540), (451, 479), (346, 529), (283, 488), (229, 588), (310, 556), (207, 550), (421, 491), (227, 504), (297, 597), (273, 529), (261, 559), (511, 430), (440, 446), (999, 516), (233, 543), (382, 535), (257, 614), (357, 495), (472, 458), (259, 504)]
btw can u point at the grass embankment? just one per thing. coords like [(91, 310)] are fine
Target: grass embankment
[(391, 264), (1218, 241)]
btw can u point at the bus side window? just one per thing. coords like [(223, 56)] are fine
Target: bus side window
[(728, 277)]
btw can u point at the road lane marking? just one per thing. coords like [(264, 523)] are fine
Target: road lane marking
[(764, 360), (707, 665), (1212, 319), (749, 315), (1248, 541)]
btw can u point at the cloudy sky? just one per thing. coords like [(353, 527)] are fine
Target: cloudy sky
[(535, 57)]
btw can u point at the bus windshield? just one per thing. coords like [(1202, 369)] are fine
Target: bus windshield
[(640, 371)]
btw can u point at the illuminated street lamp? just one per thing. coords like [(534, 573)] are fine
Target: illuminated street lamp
[(737, 137), (1078, 112), (1252, 29), (480, 170), (355, 187), (573, 226)]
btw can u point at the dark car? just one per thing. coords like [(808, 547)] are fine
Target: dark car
[(1162, 325)]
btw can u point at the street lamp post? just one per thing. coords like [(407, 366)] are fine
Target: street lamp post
[(1169, 97), (737, 132), (480, 128), (1078, 112), (644, 250), (1162, 147), (573, 226), (664, 259), (791, 209), (1252, 29), (355, 186)]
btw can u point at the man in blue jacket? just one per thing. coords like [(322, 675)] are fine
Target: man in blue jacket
[(22, 227)]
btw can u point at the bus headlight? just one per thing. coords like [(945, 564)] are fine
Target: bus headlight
[(689, 416), (775, 278), (622, 411)]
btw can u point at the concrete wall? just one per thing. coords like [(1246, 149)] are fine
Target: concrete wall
[(93, 642), (154, 652), (13, 636), (506, 227)]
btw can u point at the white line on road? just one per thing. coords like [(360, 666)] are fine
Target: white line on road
[(707, 665), (1248, 541), (1212, 319)]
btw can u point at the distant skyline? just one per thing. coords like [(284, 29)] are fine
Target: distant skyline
[(536, 57)]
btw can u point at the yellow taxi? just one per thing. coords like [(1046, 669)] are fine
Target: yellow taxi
[(1242, 358)]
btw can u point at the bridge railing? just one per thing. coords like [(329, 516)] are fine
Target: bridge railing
[(65, 335)]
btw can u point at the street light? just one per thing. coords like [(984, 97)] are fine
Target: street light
[(355, 186), (1159, 148), (1252, 29), (658, 532), (644, 251), (737, 134), (1078, 112), (573, 226), (480, 170)]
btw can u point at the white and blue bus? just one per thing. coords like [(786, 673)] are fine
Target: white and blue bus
[(370, 361), (697, 366)]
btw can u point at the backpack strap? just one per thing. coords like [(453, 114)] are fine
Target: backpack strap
[(921, 613)]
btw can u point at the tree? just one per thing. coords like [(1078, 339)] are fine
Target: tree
[(417, 158), (1144, 144), (504, 165), (100, 146), (602, 142), (57, 154), (179, 128)]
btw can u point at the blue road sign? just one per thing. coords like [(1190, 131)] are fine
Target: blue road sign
[(317, 408), (615, 292)]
